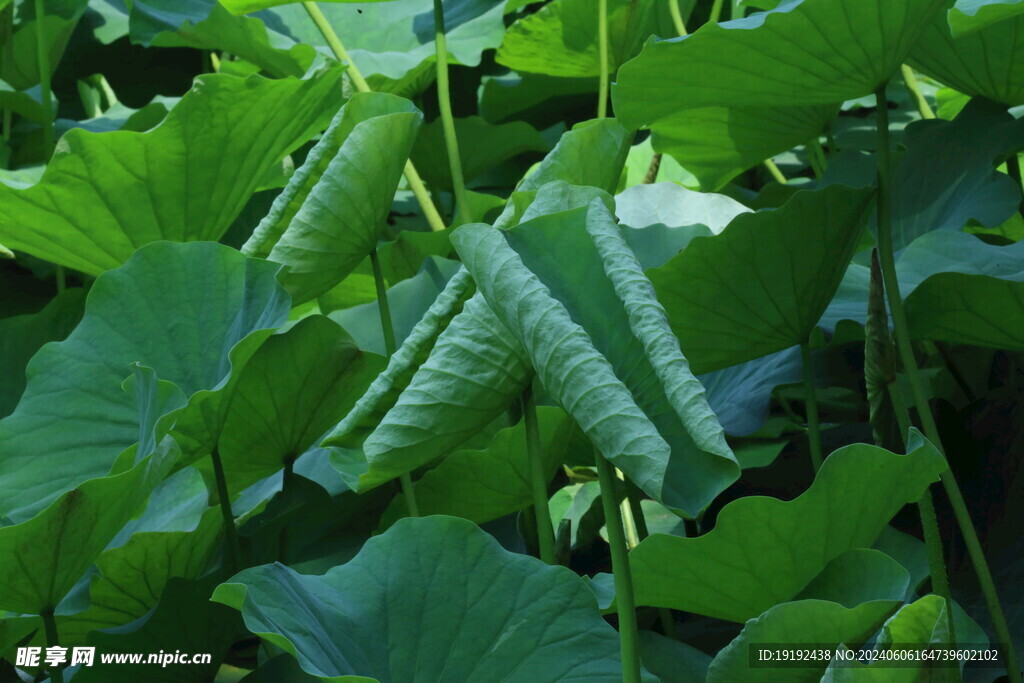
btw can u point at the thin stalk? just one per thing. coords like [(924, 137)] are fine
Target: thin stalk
[(52, 640), (625, 602), (412, 176), (920, 398), (602, 42), (774, 170), (668, 624), (538, 482), (929, 521), (914, 88), (629, 520), (815, 159), (444, 99), (677, 17), (652, 171), (716, 12), (43, 59), (819, 152), (388, 329), (811, 399), (234, 550)]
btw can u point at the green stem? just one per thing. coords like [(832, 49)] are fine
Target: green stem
[(625, 603), (234, 550), (444, 100), (920, 399), (775, 172), (43, 59), (815, 156), (811, 399), (929, 521), (602, 42), (677, 17), (412, 176), (538, 480), (388, 329), (716, 12), (668, 624), (914, 88), (52, 640)]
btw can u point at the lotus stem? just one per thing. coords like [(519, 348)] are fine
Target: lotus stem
[(776, 174), (914, 88), (811, 401), (887, 259), (444, 100), (43, 60), (538, 480), (412, 176), (388, 329), (52, 640), (234, 550), (602, 43), (716, 12), (652, 171), (625, 602), (668, 624), (677, 17)]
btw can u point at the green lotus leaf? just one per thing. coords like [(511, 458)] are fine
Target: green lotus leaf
[(25, 103), (207, 25), (591, 154), (671, 660), (968, 309), (534, 98), (561, 39), (481, 485), (800, 54), (75, 419), (21, 336), (482, 146), (988, 62), (797, 623), (608, 358), (43, 558), (763, 283), (298, 385), (674, 206), (973, 15), (493, 615), (392, 43), (858, 575), (331, 214), (247, 6), (19, 52), (740, 395), (638, 164), (105, 195), (764, 551)]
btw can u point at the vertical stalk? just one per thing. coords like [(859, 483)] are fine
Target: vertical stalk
[(234, 550), (668, 624), (602, 43), (447, 119), (716, 12), (677, 17), (538, 482), (652, 171), (625, 603), (775, 172), (412, 176), (52, 640), (920, 399), (914, 88), (811, 400), (388, 328), (43, 60)]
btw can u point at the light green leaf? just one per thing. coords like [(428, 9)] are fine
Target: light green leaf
[(561, 39), (608, 358), (293, 389), (403, 364), (674, 206), (858, 575), (105, 195), (762, 284), (481, 485), (44, 557), (638, 163), (796, 623), (591, 154), (74, 418), (764, 551), (206, 25), (331, 214), (802, 53), (494, 615), (972, 15), (988, 62)]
